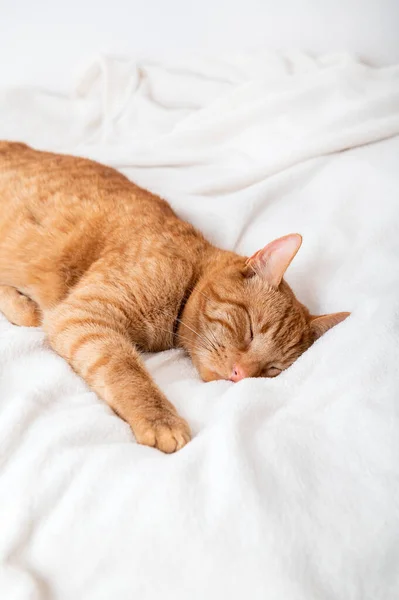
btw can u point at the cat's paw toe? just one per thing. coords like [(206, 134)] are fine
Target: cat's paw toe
[(168, 433)]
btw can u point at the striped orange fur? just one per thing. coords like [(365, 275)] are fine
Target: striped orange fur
[(109, 270)]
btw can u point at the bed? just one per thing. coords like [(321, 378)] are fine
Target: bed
[(289, 489)]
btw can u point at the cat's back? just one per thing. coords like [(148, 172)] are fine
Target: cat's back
[(59, 214), (49, 180), (42, 192)]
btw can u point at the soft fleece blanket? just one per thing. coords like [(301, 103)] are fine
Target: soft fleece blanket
[(289, 489)]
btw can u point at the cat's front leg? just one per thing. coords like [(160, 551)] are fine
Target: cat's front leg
[(88, 330)]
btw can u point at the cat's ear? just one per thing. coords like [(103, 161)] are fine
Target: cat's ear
[(274, 259), (319, 325)]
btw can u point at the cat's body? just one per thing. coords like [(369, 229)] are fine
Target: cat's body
[(109, 270)]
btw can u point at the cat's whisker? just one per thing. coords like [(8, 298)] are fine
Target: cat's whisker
[(169, 313), (215, 341), (209, 344), (202, 294), (194, 291), (183, 337), (207, 341)]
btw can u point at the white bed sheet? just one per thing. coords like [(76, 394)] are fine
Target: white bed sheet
[(290, 487)]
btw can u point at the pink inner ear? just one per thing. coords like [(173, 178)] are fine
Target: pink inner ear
[(273, 260)]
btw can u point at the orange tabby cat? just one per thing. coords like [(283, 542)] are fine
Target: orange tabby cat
[(109, 270)]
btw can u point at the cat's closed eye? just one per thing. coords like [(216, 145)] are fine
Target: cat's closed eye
[(272, 371), (251, 333)]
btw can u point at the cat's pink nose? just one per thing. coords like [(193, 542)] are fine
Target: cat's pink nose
[(237, 373)]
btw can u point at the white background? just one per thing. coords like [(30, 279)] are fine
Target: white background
[(39, 37)]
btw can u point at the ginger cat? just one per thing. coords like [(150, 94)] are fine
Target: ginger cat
[(109, 270)]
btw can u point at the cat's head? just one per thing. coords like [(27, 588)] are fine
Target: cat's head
[(243, 320)]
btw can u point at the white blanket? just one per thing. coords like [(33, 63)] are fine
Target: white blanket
[(289, 489)]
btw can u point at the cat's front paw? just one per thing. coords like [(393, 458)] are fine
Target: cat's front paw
[(166, 431)]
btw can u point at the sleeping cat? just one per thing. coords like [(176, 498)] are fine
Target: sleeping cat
[(109, 270)]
